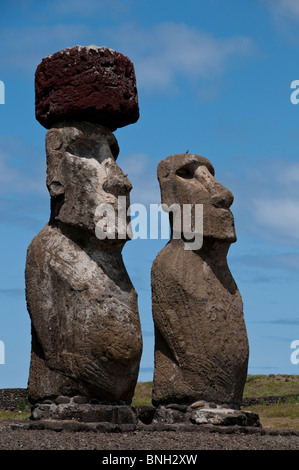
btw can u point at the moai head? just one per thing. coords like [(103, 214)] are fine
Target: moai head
[(187, 179), (82, 174), (83, 94)]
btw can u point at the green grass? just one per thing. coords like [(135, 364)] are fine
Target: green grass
[(14, 414), (265, 385), (22, 411), (278, 416), (256, 386), (143, 394)]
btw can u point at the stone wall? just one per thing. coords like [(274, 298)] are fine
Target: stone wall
[(10, 398), (269, 400)]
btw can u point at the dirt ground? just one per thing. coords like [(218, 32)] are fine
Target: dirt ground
[(36, 439)]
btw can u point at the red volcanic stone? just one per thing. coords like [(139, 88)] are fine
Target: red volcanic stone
[(91, 83)]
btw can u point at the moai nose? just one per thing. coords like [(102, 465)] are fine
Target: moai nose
[(221, 197), (116, 182)]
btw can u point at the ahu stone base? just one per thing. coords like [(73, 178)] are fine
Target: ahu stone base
[(124, 417), (205, 413), (80, 409)]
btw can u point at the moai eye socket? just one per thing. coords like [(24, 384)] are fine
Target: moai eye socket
[(82, 148), (113, 144), (185, 172)]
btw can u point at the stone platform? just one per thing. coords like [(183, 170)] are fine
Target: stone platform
[(205, 413), (124, 417)]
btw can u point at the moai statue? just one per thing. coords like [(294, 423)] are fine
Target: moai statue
[(201, 345), (86, 333)]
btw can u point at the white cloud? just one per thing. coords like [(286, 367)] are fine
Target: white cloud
[(20, 175), (166, 51), (135, 164), (266, 203), (162, 53), (89, 8), (290, 174), (277, 208), (25, 47), (24, 200), (279, 215), (143, 176), (289, 260), (288, 8)]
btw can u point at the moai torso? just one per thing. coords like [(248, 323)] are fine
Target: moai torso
[(201, 346), (86, 333)]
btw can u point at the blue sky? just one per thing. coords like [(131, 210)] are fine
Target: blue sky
[(213, 77)]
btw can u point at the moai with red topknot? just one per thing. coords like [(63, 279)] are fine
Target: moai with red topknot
[(86, 333)]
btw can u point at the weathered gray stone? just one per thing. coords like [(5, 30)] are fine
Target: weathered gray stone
[(205, 415), (86, 333), (225, 417), (43, 411), (176, 406), (79, 399), (201, 345), (62, 399), (170, 415), (198, 404), (145, 413), (86, 413)]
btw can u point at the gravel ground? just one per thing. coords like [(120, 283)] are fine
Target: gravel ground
[(32, 439)]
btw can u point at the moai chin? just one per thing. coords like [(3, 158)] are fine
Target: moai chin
[(86, 333), (201, 345)]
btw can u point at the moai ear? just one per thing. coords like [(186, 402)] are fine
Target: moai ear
[(167, 183), (54, 141)]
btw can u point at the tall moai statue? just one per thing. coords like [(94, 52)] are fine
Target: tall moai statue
[(201, 345), (86, 333)]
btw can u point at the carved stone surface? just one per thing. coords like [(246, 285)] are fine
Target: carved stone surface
[(207, 415), (86, 334), (91, 83), (116, 414), (201, 345)]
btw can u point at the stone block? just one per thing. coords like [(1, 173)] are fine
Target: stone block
[(86, 83)]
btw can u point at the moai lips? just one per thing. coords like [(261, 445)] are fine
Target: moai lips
[(90, 83)]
